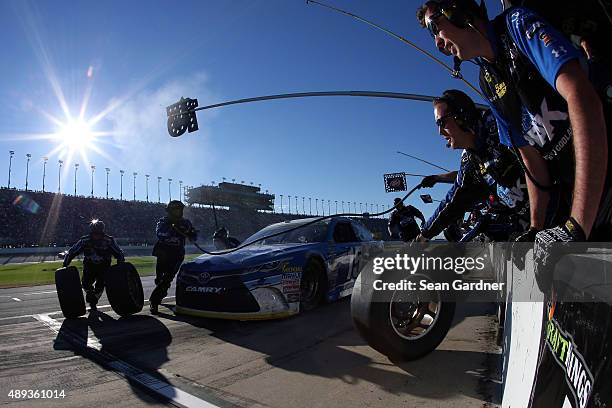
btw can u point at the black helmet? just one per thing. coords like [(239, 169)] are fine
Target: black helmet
[(462, 106), (398, 202), (175, 204), (97, 226), (221, 233)]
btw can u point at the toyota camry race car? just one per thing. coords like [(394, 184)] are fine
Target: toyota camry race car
[(279, 276)]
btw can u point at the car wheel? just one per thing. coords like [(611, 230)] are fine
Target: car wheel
[(312, 285), (400, 328)]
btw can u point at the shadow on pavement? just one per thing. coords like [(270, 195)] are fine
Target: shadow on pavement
[(116, 339), (321, 343)]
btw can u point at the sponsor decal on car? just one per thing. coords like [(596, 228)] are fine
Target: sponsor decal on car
[(204, 289), (291, 270), (290, 282)]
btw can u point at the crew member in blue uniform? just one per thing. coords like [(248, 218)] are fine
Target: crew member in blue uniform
[(531, 77), (487, 167), (222, 240), (98, 249), (402, 223), (172, 231)]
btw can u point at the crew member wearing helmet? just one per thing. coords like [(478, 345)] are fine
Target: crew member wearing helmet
[(487, 167), (402, 224), (98, 249), (222, 240), (171, 230)]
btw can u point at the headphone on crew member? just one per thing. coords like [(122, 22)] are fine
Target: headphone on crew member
[(462, 108), (460, 13)]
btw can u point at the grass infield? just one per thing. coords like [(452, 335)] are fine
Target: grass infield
[(43, 273)]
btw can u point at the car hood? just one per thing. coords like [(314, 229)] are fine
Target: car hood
[(249, 256)]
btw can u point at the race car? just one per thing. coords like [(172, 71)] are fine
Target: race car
[(279, 276)]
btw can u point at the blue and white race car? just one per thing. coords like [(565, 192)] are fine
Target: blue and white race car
[(279, 276)]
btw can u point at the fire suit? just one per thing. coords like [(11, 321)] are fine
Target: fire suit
[(489, 169), (170, 253), (97, 259)]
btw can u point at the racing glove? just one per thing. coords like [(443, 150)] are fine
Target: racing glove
[(429, 181), (521, 248), (550, 245)]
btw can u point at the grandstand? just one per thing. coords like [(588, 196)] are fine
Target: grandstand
[(231, 195), (29, 219)]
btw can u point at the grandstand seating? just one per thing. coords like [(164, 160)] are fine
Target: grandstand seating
[(49, 219)]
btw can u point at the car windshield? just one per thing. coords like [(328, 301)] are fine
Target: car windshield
[(305, 235)]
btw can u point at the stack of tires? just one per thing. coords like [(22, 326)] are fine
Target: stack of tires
[(123, 289)]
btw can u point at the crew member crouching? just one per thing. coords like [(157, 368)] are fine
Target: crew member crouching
[(98, 249)]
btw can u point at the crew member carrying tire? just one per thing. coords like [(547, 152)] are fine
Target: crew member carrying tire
[(402, 224), (98, 249), (222, 240), (171, 230)]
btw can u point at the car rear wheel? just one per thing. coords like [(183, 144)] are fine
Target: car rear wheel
[(312, 285)]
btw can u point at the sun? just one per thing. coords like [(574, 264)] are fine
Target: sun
[(76, 136)]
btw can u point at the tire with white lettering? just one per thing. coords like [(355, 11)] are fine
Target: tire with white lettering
[(124, 289), (69, 292), (312, 285), (400, 330)]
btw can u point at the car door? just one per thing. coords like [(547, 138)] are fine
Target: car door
[(346, 245)]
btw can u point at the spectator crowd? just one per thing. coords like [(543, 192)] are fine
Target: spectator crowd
[(30, 219)]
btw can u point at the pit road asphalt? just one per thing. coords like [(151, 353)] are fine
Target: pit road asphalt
[(315, 359)]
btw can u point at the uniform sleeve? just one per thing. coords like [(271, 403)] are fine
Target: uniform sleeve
[(465, 193), (506, 131), (162, 229), (546, 48), (117, 252), (417, 213), (193, 235), (75, 250)]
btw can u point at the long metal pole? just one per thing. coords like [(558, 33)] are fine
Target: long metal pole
[(59, 176), (134, 174), (368, 94), (107, 171), (147, 185), (27, 169), (422, 160), (44, 172), (11, 153), (454, 72), (158, 189), (76, 168), (121, 185), (93, 170)]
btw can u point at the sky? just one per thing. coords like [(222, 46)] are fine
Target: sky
[(117, 65)]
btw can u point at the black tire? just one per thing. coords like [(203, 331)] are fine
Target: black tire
[(124, 289), (69, 292), (373, 322), (312, 285)]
